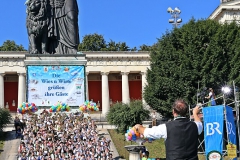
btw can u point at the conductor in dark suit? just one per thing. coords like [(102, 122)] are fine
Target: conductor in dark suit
[(181, 134)]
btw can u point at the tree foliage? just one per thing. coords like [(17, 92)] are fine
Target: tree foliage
[(201, 52), (120, 46), (11, 46), (124, 116), (145, 47), (5, 118), (96, 42), (92, 42)]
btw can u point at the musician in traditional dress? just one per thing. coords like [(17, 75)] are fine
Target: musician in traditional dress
[(211, 97)]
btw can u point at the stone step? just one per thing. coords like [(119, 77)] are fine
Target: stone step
[(8, 128)]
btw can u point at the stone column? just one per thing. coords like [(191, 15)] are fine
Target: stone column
[(144, 83), (86, 82), (2, 90), (105, 93), (125, 88), (21, 88), (24, 88)]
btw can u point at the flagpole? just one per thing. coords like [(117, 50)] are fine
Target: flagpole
[(197, 91), (225, 115), (236, 98)]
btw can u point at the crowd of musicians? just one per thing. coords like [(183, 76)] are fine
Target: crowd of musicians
[(56, 136)]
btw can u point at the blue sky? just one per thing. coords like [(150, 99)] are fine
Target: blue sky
[(135, 22)]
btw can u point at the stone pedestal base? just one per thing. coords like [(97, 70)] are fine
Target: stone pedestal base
[(55, 59)]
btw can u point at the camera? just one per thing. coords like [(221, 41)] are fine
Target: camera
[(201, 95)]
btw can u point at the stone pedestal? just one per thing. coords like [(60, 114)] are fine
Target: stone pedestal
[(55, 59), (134, 151)]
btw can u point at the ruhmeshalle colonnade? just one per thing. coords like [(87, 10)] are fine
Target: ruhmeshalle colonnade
[(109, 76)]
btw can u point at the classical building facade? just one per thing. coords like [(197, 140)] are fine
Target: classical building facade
[(110, 77), (227, 12)]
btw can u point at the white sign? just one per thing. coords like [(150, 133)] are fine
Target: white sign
[(49, 84)]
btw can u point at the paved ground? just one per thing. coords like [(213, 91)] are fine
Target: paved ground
[(10, 146), (113, 149)]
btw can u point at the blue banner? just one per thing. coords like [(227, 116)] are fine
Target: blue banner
[(213, 118), (47, 85), (231, 129)]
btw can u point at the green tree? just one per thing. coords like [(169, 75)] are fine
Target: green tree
[(198, 52), (96, 42), (123, 46), (124, 116), (5, 118), (120, 46), (11, 46), (112, 46), (145, 48), (134, 49), (92, 42)]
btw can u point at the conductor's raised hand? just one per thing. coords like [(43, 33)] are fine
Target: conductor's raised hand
[(197, 109)]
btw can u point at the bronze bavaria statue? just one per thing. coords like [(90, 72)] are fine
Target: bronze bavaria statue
[(52, 26)]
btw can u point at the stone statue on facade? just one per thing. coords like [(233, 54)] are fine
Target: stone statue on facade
[(52, 26)]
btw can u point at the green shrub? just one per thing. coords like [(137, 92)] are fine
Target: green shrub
[(124, 116), (5, 118)]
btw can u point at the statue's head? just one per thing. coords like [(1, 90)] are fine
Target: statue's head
[(34, 6)]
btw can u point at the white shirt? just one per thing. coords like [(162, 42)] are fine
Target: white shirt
[(210, 94), (160, 131), (154, 116)]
